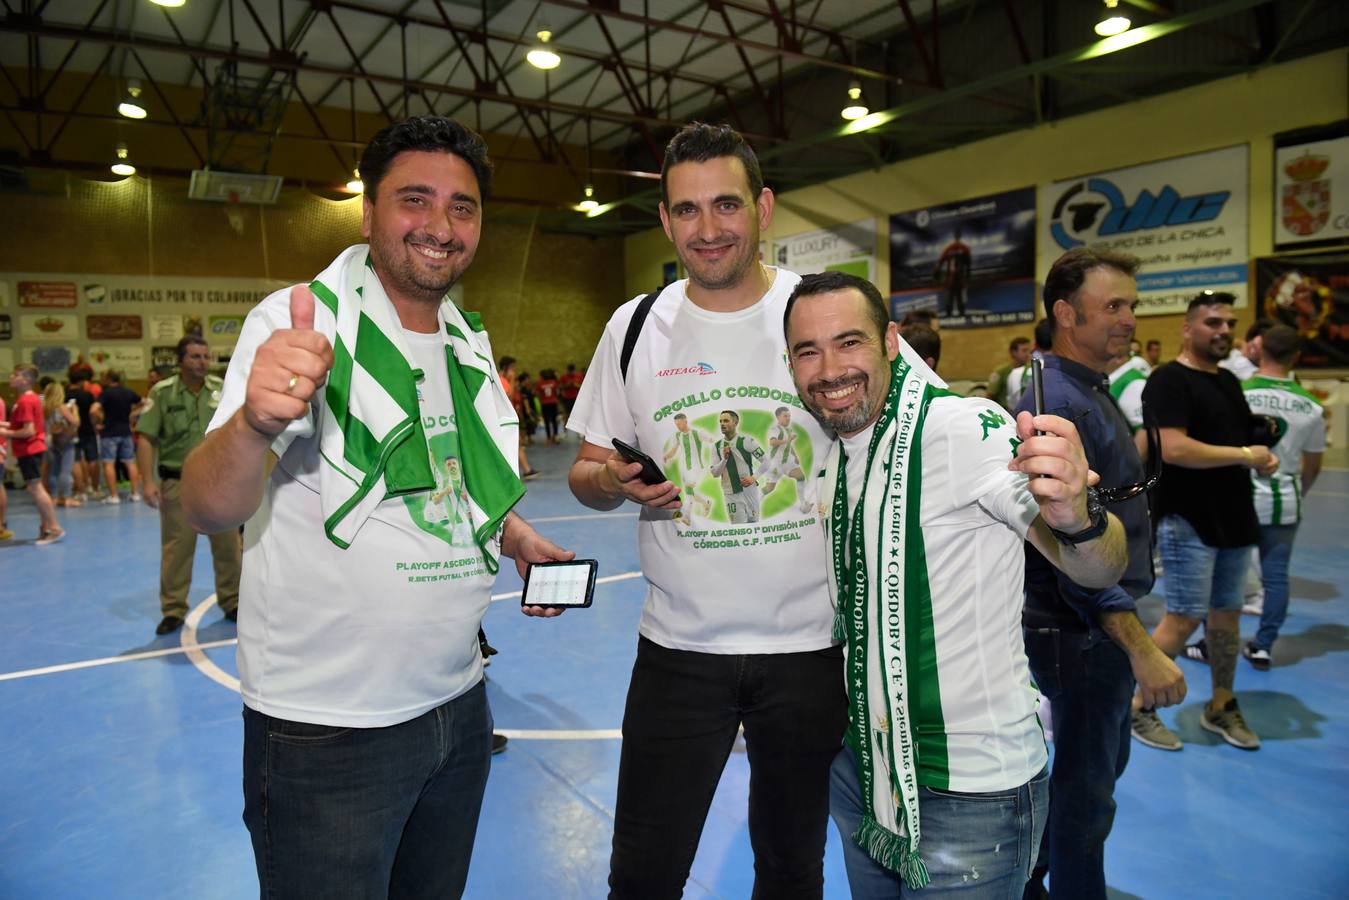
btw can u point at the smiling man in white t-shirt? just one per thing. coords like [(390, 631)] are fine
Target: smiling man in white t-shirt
[(737, 625), (927, 502)]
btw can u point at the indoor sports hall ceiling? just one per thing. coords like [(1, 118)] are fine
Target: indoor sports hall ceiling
[(235, 84)]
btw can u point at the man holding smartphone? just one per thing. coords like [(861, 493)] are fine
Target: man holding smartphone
[(1087, 647), (737, 628)]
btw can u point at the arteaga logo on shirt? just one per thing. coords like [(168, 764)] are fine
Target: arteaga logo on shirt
[(701, 368)]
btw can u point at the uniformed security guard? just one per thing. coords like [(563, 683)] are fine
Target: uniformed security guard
[(174, 421)]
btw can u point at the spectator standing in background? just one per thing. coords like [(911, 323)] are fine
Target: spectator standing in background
[(547, 389), (1019, 351), (26, 428), (113, 409)]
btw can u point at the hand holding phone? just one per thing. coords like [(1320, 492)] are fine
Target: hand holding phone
[(651, 473), (560, 585)]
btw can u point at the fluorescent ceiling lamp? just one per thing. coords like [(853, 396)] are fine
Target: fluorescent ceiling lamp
[(171, 4), (589, 202), (541, 57), (855, 109), (123, 165), (1112, 21), (355, 185), (131, 105)]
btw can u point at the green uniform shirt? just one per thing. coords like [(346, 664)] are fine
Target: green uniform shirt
[(177, 418)]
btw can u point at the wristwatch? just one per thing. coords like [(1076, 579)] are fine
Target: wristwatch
[(1097, 522)]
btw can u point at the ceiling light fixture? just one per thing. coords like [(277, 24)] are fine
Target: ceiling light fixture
[(1112, 21), (123, 165), (355, 185), (541, 57), (131, 105), (589, 202), (855, 109), (171, 4)]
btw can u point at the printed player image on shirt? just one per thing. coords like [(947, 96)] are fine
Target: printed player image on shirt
[(443, 512), (709, 397)]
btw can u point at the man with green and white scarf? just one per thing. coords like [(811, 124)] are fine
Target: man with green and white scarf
[(928, 498), (367, 735)]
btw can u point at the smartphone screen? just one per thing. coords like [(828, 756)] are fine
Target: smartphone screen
[(562, 584)]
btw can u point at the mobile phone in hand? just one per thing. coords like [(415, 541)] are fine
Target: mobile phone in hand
[(651, 473)]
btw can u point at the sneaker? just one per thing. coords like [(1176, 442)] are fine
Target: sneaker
[(49, 537), (1230, 723), (499, 742), (135, 498), (1254, 607), (1258, 656), (6, 534), (112, 498), (1148, 729), (530, 475), (1198, 651)]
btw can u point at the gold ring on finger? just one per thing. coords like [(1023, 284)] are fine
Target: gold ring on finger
[(290, 385)]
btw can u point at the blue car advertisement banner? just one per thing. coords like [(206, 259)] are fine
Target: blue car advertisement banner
[(973, 261), (1184, 218)]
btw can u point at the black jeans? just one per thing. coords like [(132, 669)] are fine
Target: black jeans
[(1089, 685), (683, 711)]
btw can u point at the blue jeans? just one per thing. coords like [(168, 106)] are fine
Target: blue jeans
[(1199, 577), (1089, 683), (117, 448), (979, 846), (62, 458), (367, 812), (1276, 550), (683, 711)]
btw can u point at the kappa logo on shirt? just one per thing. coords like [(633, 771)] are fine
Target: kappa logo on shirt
[(700, 368)]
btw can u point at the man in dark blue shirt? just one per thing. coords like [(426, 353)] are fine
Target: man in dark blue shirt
[(1087, 647)]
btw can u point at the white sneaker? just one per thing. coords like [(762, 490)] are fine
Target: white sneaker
[(135, 498), (112, 498), (1254, 607)]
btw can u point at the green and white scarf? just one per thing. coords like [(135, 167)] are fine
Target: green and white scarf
[(883, 611), (370, 432)]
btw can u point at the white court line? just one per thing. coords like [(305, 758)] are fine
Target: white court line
[(192, 648), (583, 517)]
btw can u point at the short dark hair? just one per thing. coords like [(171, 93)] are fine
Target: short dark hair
[(732, 413), (112, 376), (1070, 270), (780, 410), (1154, 343), (923, 317), (1017, 342), (679, 416), (186, 342), (827, 283), (924, 341), (1281, 344), (1259, 327), (1044, 335), (506, 363), (433, 134), (699, 142), (1209, 298)]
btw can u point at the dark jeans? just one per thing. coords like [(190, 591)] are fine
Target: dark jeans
[(1089, 685), (683, 711), (367, 812)]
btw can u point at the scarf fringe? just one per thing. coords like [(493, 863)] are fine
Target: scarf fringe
[(892, 851)]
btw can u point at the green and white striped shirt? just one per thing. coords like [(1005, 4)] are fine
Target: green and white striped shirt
[(1302, 429)]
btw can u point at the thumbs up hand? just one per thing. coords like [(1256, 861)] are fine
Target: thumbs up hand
[(288, 369)]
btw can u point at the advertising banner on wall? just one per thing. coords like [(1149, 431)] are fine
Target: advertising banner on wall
[(1184, 218), (124, 317), (1310, 293), (973, 262), (1311, 187), (845, 248)]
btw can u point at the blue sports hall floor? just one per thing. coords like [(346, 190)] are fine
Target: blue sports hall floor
[(120, 751)]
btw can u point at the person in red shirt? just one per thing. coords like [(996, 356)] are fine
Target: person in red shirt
[(27, 429), (571, 388), (547, 390), (5, 533)]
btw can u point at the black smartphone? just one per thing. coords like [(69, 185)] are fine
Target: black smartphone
[(561, 584), (1037, 385), (651, 473)]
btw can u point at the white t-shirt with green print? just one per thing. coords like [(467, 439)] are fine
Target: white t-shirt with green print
[(1302, 429)]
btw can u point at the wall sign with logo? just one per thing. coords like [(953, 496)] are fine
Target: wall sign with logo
[(48, 294), (1311, 187), (49, 327), (1309, 292), (973, 262), (845, 248), (1184, 218)]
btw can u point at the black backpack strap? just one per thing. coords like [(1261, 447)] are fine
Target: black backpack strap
[(635, 330)]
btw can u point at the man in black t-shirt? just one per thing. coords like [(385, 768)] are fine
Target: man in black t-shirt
[(1205, 516), (117, 444), (86, 439)]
